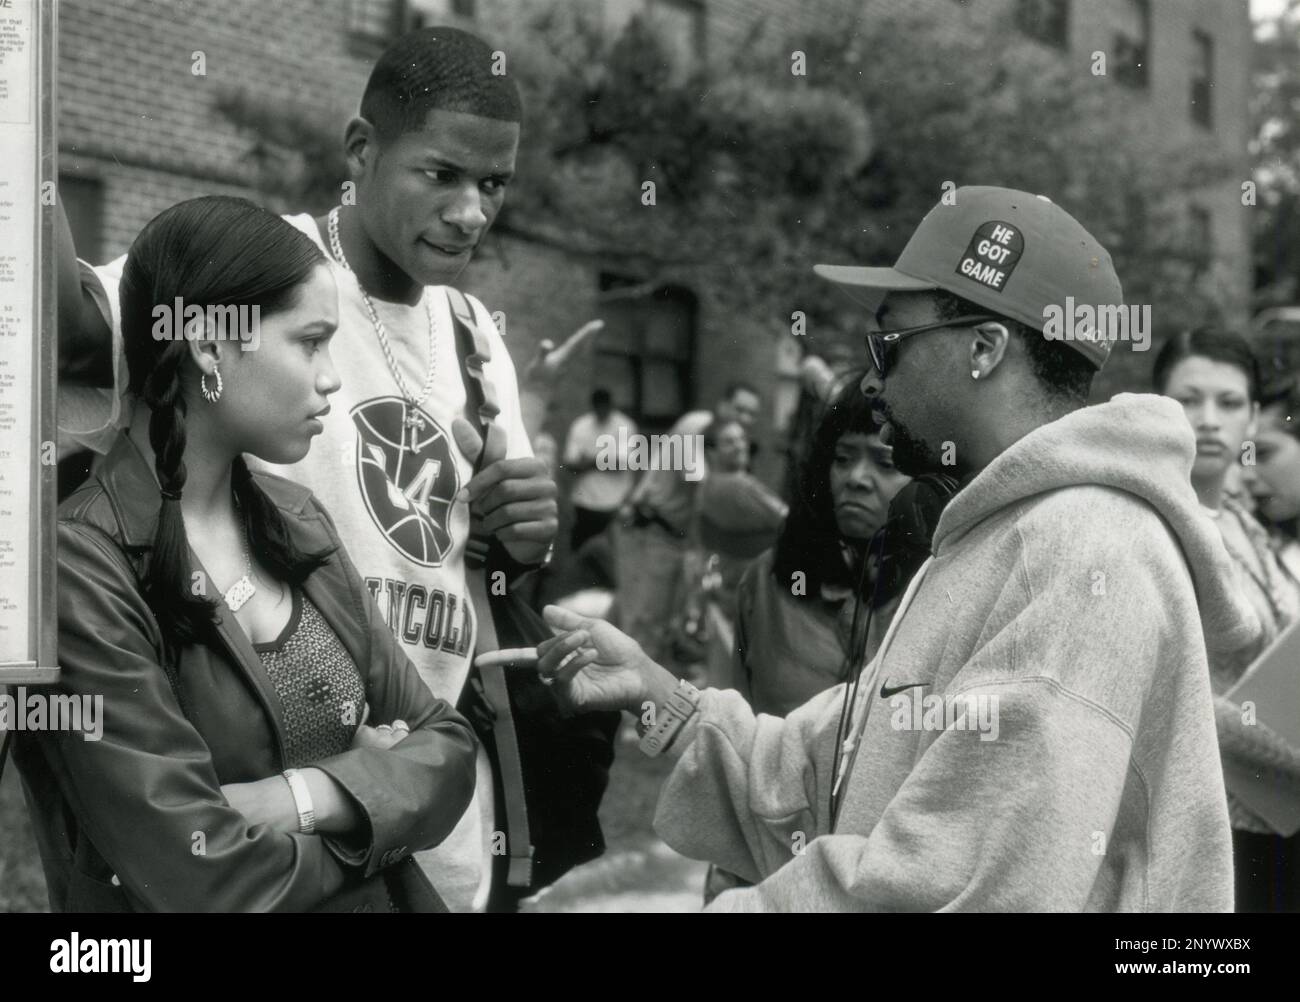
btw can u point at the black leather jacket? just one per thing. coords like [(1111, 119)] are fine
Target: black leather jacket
[(120, 822)]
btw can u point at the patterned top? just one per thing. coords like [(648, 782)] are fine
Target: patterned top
[(1275, 596), (320, 688)]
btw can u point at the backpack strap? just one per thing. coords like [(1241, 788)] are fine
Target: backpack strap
[(481, 410), (481, 405)]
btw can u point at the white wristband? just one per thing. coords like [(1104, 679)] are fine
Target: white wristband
[(301, 801)]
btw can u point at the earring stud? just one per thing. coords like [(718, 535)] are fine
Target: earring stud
[(974, 374)]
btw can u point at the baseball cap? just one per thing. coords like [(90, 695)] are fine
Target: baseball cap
[(1013, 253)]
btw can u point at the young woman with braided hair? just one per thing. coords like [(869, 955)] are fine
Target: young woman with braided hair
[(241, 660)]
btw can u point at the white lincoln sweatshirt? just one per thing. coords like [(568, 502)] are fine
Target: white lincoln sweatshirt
[(1046, 737)]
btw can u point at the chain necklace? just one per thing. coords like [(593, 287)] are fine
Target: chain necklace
[(411, 417), (243, 589)]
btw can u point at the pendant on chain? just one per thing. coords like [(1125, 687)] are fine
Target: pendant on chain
[(240, 592), (414, 423)]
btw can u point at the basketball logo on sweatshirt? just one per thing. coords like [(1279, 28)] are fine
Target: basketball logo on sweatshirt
[(992, 255), (408, 477)]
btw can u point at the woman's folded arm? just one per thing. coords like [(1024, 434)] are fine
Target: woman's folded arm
[(146, 794)]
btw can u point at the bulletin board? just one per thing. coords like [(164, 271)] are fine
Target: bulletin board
[(28, 343)]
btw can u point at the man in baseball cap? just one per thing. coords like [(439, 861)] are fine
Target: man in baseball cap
[(998, 264), (1036, 730)]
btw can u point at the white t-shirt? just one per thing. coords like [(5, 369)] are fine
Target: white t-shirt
[(394, 509), (600, 490)]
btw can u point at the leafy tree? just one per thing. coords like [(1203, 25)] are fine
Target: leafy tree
[(981, 103), (296, 148)]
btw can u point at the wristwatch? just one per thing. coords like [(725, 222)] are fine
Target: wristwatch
[(670, 718)]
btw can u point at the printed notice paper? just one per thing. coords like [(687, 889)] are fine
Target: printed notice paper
[(19, 201)]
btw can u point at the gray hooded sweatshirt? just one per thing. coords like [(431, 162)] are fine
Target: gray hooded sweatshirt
[(1046, 741)]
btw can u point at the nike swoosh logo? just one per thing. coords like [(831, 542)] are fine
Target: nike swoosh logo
[(886, 690)]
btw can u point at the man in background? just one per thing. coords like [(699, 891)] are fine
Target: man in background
[(597, 452)]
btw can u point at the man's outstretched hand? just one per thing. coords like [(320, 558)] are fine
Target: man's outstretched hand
[(549, 363), (516, 498), (608, 670)]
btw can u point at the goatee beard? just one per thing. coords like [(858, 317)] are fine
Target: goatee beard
[(911, 454)]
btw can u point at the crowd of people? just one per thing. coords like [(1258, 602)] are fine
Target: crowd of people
[(981, 657)]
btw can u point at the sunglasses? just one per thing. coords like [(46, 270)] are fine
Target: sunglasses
[(881, 344)]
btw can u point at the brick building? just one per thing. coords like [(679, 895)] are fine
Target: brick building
[(138, 131)]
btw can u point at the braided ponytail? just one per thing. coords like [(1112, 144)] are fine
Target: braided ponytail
[(181, 613)]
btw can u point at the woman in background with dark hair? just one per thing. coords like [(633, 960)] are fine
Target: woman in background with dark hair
[(803, 605), (266, 744), (804, 608), (1274, 479), (1215, 376)]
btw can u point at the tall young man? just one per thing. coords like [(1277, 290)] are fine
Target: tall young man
[(430, 155), (1036, 731)]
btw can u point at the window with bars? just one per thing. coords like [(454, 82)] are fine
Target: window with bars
[(1202, 95), (645, 353)]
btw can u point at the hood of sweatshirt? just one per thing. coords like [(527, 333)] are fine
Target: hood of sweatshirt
[(1136, 442)]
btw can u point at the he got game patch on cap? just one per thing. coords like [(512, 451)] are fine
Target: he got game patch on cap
[(992, 255)]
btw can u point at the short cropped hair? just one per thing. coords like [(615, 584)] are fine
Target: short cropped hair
[(436, 69), (1063, 373)]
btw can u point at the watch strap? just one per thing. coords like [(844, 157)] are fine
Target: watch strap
[(670, 718)]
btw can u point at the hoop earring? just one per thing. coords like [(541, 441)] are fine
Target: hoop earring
[(213, 395)]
